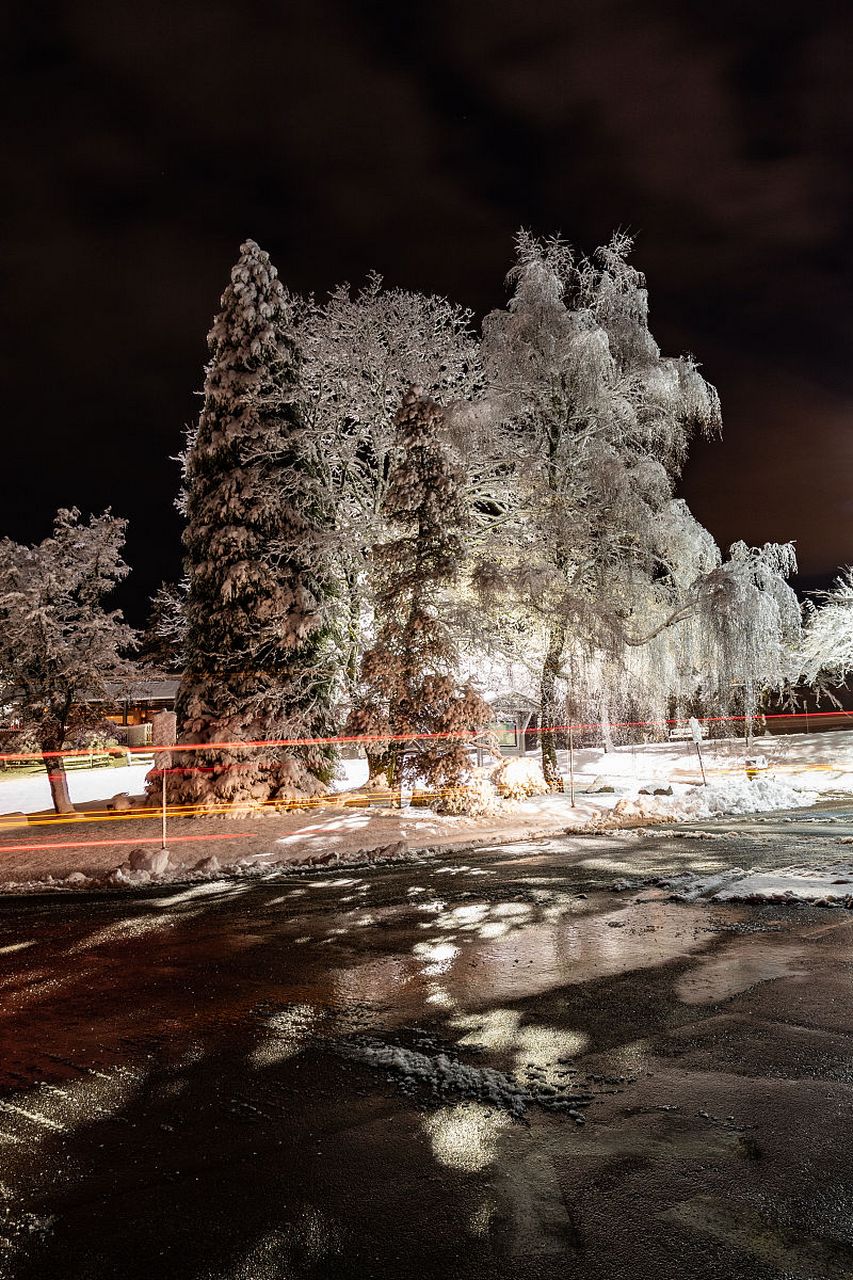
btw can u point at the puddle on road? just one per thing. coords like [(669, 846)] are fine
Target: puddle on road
[(532, 958), (738, 966)]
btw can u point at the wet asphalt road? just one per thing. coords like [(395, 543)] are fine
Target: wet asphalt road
[(490, 1066)]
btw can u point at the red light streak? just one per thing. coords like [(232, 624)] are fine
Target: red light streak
[(458, 735), (87, 844)]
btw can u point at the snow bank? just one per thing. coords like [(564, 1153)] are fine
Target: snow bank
[(733, 796)]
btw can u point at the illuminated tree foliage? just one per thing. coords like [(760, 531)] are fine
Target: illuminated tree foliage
[(59, 644), (408, 681), (256, 541), (593, 424), (826, 656)]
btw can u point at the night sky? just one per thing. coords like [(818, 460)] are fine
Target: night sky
[(145, 142)]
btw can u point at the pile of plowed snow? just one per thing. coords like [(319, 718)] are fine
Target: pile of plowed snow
[(734, 796)]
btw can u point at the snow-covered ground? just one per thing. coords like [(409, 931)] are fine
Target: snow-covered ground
[(31, 794), (812, 762), (615, 789), (807, 762)]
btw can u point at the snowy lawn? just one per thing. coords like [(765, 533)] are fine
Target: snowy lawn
[(31, 793), (812, 762), (91, 847)]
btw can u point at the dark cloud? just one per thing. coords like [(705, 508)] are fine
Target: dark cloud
[(146, 142)]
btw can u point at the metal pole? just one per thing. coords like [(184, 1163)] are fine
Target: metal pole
[(571, 767), (701, 765), (748, 699), (163, 835)]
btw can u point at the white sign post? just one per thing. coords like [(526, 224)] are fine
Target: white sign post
[(164, 732), (697, 734)]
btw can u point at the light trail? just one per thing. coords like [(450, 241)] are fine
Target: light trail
[(89, 844), (461, 735)]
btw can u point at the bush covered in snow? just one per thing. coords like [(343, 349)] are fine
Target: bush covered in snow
[(476, 798), (518, 779)]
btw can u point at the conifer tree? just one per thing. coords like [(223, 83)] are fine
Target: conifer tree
[(257, 667), (409, 682)]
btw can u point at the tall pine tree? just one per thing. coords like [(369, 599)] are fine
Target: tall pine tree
[(256, 541)]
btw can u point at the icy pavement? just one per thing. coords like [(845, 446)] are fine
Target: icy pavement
[(468, 1067)]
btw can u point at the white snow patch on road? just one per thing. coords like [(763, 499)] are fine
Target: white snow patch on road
[(832, 884), (446, 1077), (443, 1074), (824, 886)]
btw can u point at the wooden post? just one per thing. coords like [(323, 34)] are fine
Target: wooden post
[(163, 734), (163, 790)]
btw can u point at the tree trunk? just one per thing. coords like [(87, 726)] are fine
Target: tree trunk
[(353, 639), (58, 780), (548, 696), (377, 762), (606, 735), (748, 713)]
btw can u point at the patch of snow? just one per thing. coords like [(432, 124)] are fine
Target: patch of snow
[(732, 796), (446, 1077), (443, 1075), (822, 886), (831, 885)]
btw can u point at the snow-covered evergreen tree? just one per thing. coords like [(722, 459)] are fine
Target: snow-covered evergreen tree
[(164, 637), (256, 541), (59, 645), (409, 683)]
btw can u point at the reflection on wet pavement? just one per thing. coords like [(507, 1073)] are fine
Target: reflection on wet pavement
[(474, 1068)]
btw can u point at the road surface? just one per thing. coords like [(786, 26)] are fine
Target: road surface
[(498, 1068)]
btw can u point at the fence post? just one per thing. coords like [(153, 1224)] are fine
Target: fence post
[(164, 732)]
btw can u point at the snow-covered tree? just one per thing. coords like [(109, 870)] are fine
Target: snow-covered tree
[(164, 637), (826, 655), (361, 351), (59, 644), (595, 424), (409, 682), (258, 666)]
